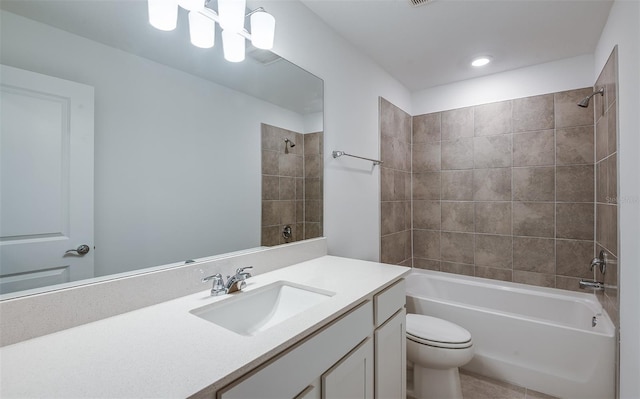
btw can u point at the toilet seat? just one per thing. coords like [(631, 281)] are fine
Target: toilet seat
[(431, 331)]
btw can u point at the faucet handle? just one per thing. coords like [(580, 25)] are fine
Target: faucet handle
[(218, 287), (240, 272)]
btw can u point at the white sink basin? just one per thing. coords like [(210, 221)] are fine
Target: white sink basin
[(249, 313)]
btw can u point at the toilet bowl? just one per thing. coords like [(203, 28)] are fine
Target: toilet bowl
[(437, 348)]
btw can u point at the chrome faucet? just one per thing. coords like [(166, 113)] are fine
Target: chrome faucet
[(595, 285), (234, 283), (600, 261)]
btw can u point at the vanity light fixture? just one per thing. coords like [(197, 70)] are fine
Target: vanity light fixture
[(163, 15), (480, 61)]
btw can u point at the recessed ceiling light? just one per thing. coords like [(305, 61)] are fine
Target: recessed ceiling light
[(480, 61)]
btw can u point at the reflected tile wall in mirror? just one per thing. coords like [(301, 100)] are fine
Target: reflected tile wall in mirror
[(292, 178)]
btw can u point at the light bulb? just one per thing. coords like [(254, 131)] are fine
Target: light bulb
[(202, 30), (163, 14), (233, 46), (231, 14), (263, 27), (191, 5)]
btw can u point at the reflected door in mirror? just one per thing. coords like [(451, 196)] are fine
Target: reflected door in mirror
[(46, 192)]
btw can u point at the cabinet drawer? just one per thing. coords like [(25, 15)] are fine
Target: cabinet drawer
[(389, 301), (293, 371)]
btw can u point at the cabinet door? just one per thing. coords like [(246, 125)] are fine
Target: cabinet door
[(391, 358), (352, 377)]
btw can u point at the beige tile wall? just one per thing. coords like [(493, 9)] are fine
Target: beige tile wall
[(395, 183), (502, 190), (606, 183), (291, 185), (505, 190)]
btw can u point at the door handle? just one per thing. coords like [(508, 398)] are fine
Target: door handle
[(81, 250)]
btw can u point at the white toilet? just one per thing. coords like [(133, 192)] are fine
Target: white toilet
[(437, 348)]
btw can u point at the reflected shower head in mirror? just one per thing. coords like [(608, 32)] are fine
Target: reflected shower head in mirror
[(288, 144), (585, 101)]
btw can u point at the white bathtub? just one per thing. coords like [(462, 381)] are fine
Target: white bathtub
[(538, 338)]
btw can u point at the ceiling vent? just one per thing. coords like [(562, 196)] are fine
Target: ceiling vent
[(417, 3)]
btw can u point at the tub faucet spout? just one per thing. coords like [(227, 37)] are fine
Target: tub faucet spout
[(595, 285)]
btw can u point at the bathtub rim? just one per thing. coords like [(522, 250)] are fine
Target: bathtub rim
[(589, 300)]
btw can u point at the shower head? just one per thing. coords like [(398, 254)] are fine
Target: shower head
[(585, 101), (291, 143)]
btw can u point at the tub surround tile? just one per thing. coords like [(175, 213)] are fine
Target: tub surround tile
[(612, 129), (602, 138), (270, 163), (602, 180), (457, 185), (574, 183), (426, 215), (426, 186), (569, 283), (492, 151), (287, 189), (573, 258), (493, 217), (494, 273), (426, 128), (492, 184), (426, 244), (395, 154), (532, 278), (494, 118), (393, 217), (270, 187), (426, 157), (534, 219), (533, 113), (533, 184), (494, 251), (534, 148), (495, 185), (427, 264), (457, 216), (394, 248), (567, 114), (457, 154), (574, 221), (457, 247), (534, 255), (394, 122), (612, 179), (574, 145), (457, 268), (313, 166), (457, 123)]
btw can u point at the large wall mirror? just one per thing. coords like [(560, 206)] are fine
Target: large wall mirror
[(135, 143)]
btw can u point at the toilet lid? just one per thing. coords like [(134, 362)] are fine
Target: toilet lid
[(432, 329)]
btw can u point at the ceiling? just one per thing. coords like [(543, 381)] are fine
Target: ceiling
[(433, 44)]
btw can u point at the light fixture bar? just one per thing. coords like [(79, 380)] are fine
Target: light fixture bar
[(202, 20)]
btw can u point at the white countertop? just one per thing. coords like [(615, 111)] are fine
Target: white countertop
[(165, 351)]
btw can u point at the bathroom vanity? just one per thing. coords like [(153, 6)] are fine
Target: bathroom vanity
[(349, 343)]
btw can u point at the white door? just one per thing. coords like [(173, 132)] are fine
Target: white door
[(46, 180)]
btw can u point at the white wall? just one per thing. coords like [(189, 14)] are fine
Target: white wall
[(623, 29), (567, 74), (352, 84), (171, 149)]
